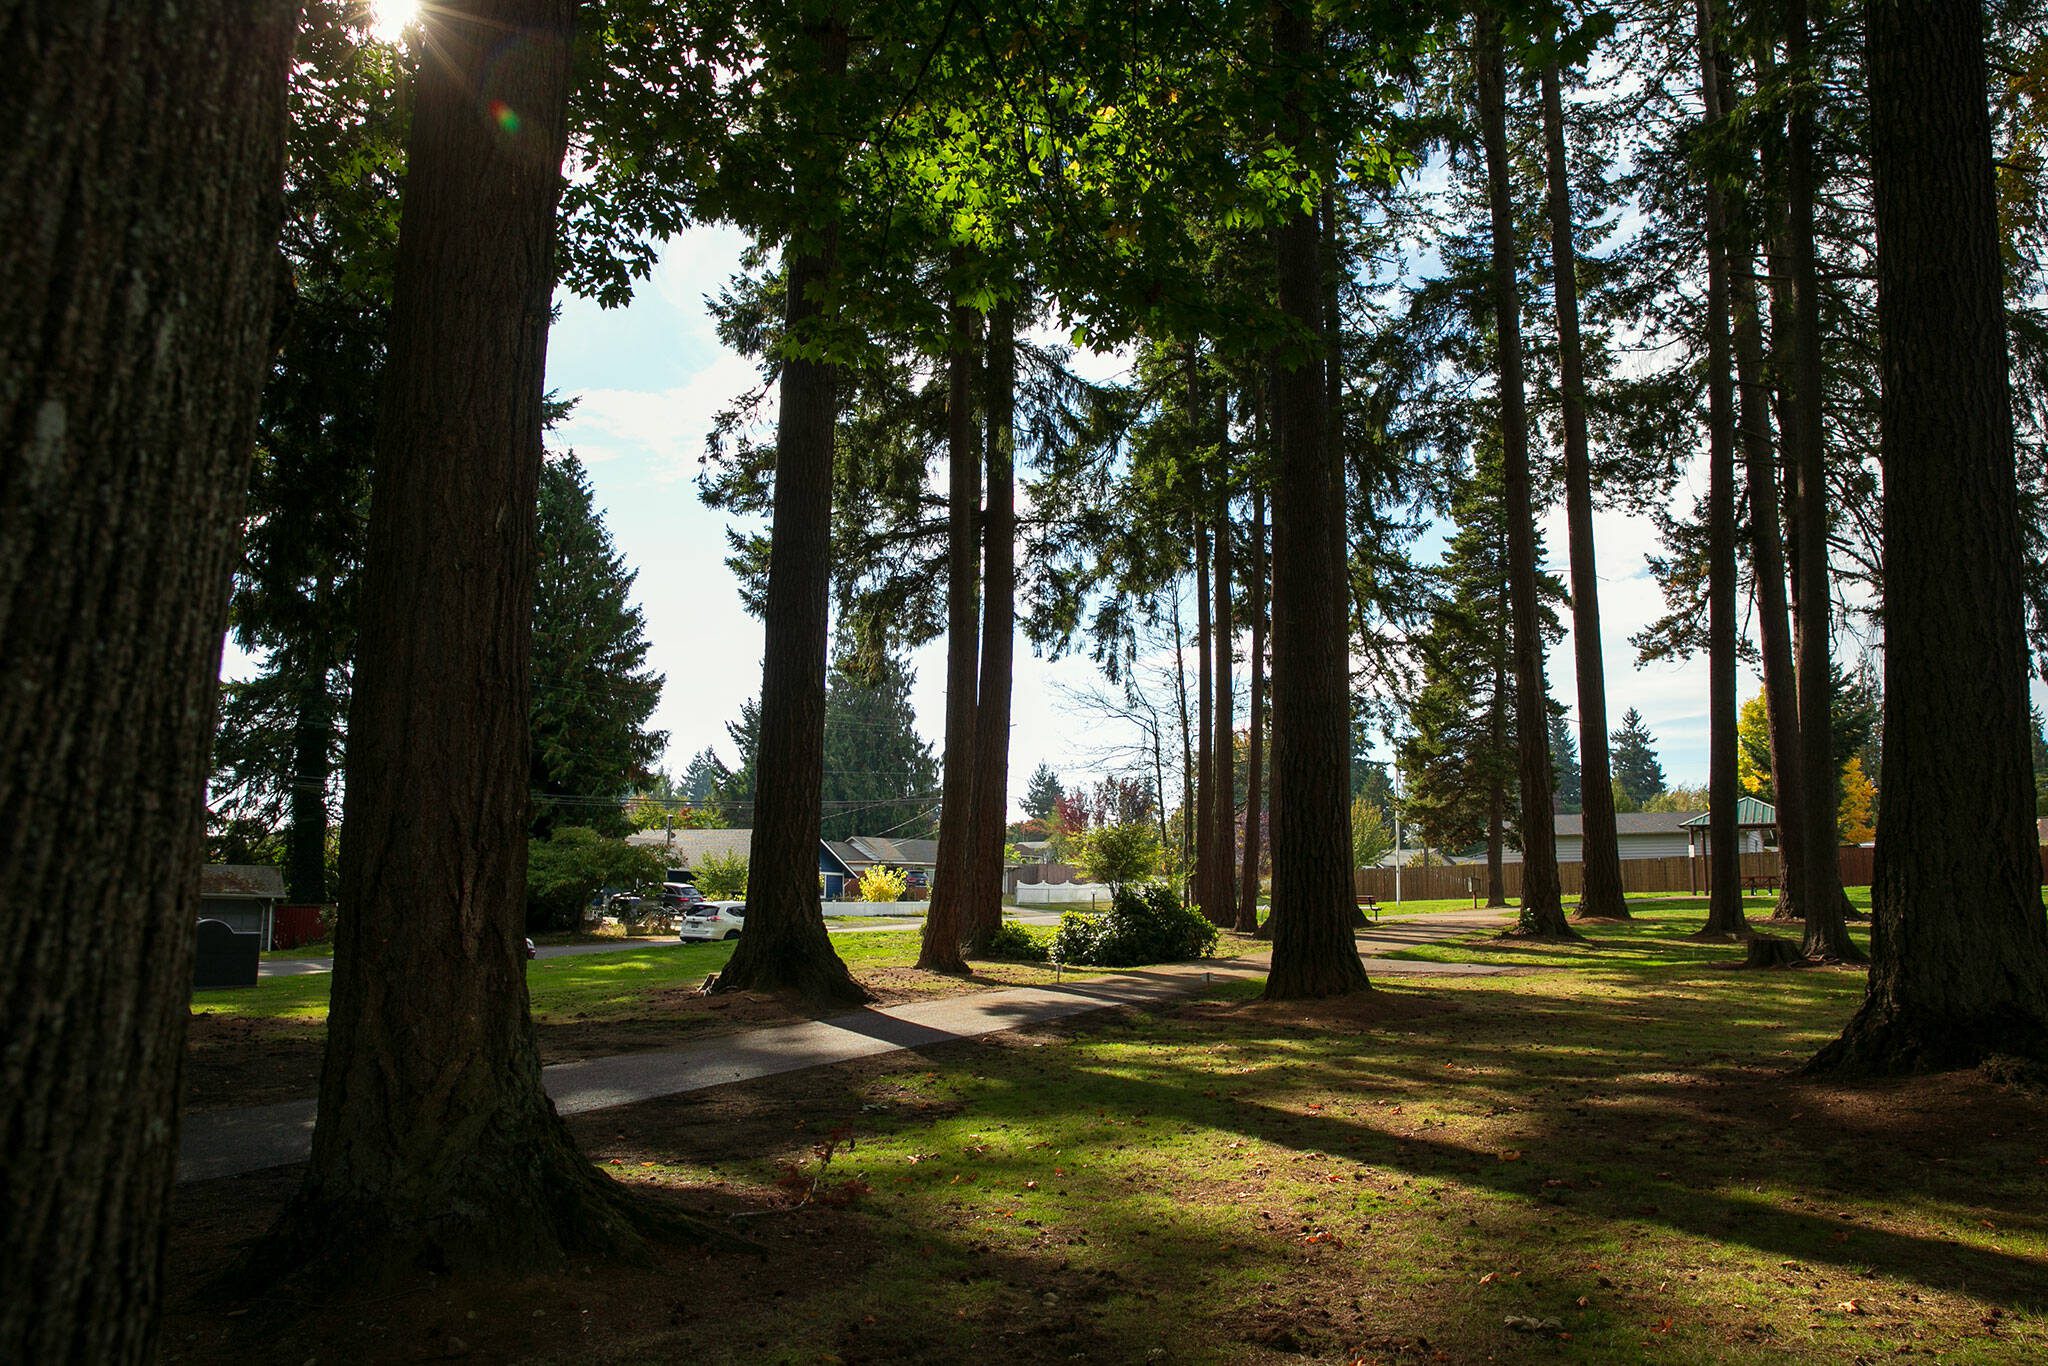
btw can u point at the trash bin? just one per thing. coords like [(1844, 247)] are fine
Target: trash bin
[(225, 958)]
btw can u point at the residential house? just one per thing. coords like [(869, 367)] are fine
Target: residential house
[(243, 895)]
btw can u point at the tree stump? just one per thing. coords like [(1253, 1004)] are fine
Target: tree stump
[(1769, 951)]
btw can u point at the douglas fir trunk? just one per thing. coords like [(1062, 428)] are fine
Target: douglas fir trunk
[(952, 878), (1223, 809), (436, 1145), (1247, 921), (786, 947), (998, 634), (1821, 898), (1724, 887), (1542, 903), (1314, 953), (1960, 946), (1601, 852), (140, 188)]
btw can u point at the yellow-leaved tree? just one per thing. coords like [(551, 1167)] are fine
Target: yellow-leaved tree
[(1856, 817), (1753, 750)]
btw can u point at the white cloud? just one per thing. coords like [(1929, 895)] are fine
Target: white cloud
[(666, 426)]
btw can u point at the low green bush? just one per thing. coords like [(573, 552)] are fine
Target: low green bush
[(1145, 924), (1019, 943)]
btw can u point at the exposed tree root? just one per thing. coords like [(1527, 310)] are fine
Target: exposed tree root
[(1884, 1041)]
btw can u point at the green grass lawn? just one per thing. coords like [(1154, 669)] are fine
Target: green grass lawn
[(1656, 937), (1614, 1161), (592, 987), (1614, 1155)]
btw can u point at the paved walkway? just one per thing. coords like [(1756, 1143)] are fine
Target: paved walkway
[(227, 1142)]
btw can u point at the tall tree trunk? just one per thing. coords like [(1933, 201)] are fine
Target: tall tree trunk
[(786, 947), (1333, 408), (1827, 936), (1767, 566), (1223, 838), (1496, 787), (1600, 852), (1960, 945), (1255, 722), (1542, 903), (1205, 730), (998, 633), (1187, 749), (1314, 951), (305, 872), (140, 196), (1724, 863), (435, 1144), (953, 876)]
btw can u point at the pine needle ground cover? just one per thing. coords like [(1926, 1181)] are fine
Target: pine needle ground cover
[(1605, 1160)]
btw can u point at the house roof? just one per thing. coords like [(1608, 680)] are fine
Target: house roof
[(860, 850), (249, 881), (1632, 823), (689, 847), (1749, 811)]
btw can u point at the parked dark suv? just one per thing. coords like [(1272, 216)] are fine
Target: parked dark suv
[(680, 896)]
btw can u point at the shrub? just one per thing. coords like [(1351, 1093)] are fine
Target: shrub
[(565, 871), (722, 877), (1019, 943), (1143, 925), (882, 883), (1118, 854)]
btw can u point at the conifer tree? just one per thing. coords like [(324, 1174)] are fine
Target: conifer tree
[(1636, 769), (592, 690)]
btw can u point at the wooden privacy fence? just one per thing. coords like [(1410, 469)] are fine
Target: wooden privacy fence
[(1674, 874)]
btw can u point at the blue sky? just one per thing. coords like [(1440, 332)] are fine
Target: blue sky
[(649, 379)]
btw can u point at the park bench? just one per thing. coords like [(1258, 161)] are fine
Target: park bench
[(1371, 906)]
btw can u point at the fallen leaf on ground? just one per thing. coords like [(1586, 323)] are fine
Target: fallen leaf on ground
[(1521, 1323)]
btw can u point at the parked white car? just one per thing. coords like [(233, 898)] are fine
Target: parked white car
[(714, 920)]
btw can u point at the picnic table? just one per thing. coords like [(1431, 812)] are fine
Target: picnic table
[(1760, 882)]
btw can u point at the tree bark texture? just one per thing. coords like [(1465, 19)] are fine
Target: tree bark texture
[(998, 632), (305, 873), (1314, 952), (1542, 902), (1205, 730), (1223, 837), (436, 1146), (1724, 864), (1247, 921), (952, 877), (786, 947), (1496, 789), (1601, 895), (140, 193), (1767, 572), (1959, 943), (1187, 749), (1333, 409), (1827, 935)]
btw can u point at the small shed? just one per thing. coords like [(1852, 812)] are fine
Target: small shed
[(1756, 832), (244, 896)]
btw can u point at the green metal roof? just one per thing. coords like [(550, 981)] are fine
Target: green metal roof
[(1748, 811)]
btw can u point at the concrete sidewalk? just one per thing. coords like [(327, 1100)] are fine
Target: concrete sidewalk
[(228, 1142)]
